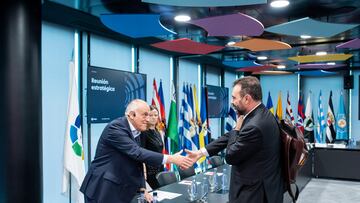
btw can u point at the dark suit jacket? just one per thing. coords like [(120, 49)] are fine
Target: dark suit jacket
[(116, 172), (254, 152)]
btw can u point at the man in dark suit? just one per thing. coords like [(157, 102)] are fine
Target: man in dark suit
[(253, 148), (116, 173)]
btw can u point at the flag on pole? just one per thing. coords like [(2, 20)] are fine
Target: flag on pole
[(330, 122), (269, 104), (279, 112), (231, 120), (189, 130), (341, 125), (196, 117), (156, 99), (162, 123), (73, 147), (204, 126), (300, 116), (309, 121), (289, 113), (321, 122), (172, 130)]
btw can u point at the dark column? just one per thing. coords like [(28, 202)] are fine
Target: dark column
[(20, 102)]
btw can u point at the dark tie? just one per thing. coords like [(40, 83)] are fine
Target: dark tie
[(137, 139)]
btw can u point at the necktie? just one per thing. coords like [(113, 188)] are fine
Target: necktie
[(137, 139)]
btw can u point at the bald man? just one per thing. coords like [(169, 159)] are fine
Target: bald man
[(116, 173)]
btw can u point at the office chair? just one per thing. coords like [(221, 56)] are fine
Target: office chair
[(216, 161), (186, 173), (166, 178)]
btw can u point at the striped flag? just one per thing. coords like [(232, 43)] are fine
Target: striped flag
[(73, 148), (269, 104), (309, 121), (162, 123), (300, 115), (321, 122), (231, 120), (279, 112), (330, 122), (289, 113), (189, 130), (341, 125)]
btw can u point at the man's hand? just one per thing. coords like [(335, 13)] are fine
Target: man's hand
[(194, 155), (183, 162), (148, 196), (239, 122)]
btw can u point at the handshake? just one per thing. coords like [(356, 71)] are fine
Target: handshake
[(187, 161)]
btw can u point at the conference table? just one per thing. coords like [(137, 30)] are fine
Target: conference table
[(218, 197), (303, 178)]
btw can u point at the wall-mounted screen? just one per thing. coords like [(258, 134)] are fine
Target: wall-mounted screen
[(218, 101), (109, 91)]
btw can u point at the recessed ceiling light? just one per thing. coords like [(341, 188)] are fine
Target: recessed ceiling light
[(305, 36), (331, 63), (261, 57), (182, 18), (281, 66), (230, 43), (279, 3), (321, 53)]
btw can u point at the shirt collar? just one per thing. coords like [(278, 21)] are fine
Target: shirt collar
[(134, 132), (252, 110)]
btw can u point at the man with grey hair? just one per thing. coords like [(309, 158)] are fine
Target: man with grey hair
[(252, 147), (116, 173)]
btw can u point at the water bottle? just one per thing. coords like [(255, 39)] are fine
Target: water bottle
[(155, 197), (204, 189), (213, 181), (225, 181), (192, 190)]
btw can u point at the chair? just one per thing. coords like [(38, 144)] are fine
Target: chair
[(166, 178), (186, 173), (216, 161)]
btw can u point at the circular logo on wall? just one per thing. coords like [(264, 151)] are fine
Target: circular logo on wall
[(342, 123)]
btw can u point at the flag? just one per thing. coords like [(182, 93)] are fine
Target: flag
[(203, 120), (194, 134), (300, 116), (279, 112), (162, 123), (156, 99), (196, 118), (321, 122), (309, 121), (341, 125), (289, 113), (181, 121), (269, 104), (73, 147), (172, 130), (330, 122), (231, 120), (189, 130)]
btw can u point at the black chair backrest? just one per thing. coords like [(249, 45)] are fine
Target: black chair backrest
[(187, 172), (166, 178), (216, 161)]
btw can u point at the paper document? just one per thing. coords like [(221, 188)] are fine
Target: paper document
[(166, 195)]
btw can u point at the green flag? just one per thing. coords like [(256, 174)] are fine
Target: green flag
[(172, 130)]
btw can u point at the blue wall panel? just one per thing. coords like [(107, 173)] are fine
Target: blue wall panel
[(57, 46), (156, 65), (283, 83), (355, 122)]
